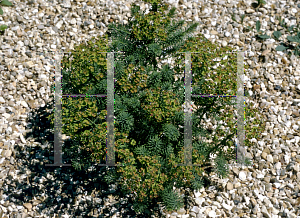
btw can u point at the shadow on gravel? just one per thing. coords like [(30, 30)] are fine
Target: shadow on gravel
[(46, 180)]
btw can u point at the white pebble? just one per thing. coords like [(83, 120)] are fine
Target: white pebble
[(224, 43), (270, 158), (22, 139), (227, 34), (277, 185), (242, 176), (6, 115), (2, 110), (277, 166), (226, 206), (294, 10), (260, 176), (24, 104), (288, 124), (212, 213)]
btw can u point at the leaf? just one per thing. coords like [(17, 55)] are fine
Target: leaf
[(297, 51), (264, 36), (242, 18), (233, 17), (290, 29), (1, 11), (257, 26), (3, 27), (277, 34), (281, 48), (293, 39), (6, 3), (263, 2)]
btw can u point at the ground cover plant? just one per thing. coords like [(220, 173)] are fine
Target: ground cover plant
[(149, 142), (293, 43), (4, 3)]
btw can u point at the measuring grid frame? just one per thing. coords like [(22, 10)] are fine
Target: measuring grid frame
[(110, 113)]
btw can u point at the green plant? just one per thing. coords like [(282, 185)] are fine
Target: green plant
[(260, 31), (284, 45), (277, 34), (4, 3), (148, 106), (259, 3), (242, 18)]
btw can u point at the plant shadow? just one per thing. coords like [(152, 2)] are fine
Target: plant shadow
[(69, 184), (40, 180)]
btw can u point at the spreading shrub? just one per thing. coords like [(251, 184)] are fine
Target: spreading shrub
[(149, 140)]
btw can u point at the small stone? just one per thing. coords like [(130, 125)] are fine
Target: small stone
[(288, 124), (212, 213), (211, 195), (199, 201), (260, 176), (237, 185), (265, 212), (2, 110), (197, 194), (195, 209), (275, 211), (255, 210), (20, 33), (2, 100), (41, 26), (28, 64), (272, 78), (264, 155), (295, 113), (277, 166), (73, 21), (224, 43), (28, 206), (192, 214), (229, 186), (242, 176), (11, 103), (226, 206), (249, 11), (266, 150), (235, 171), (32, 104), (270, 158), (262, 105), (24, 104), (256, 87), (22, 139), (213, 32), (284, 61), (227, 34), (297, 167), (8, 130), (181, 211), (236, 34), (265, 52), (6, 153)]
